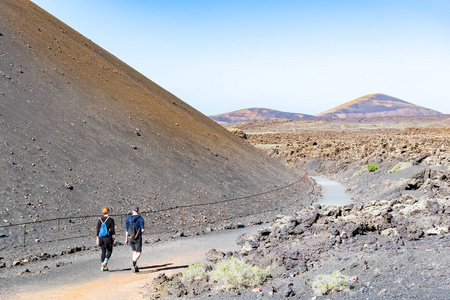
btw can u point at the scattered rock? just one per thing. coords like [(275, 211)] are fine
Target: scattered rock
[(60, 264), (288, 291), (238, 132), (15, 263), (229, 226), (240, 225), (214, 255)]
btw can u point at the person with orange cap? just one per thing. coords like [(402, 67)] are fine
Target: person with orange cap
[(106, 237)]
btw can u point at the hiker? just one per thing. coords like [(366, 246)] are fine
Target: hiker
[(106, 237), (134, 226)]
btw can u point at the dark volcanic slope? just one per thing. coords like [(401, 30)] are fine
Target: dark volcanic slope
[(377, 105), (256, 114), (79, 129)]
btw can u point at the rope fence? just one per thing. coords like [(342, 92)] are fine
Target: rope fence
[(159, 221)]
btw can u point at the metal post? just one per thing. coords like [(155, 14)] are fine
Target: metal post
[(57, 236), (165, 220), (210, 214), (24, 233), (121, 224)]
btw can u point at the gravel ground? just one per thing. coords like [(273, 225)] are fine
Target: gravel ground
[(79, 274)]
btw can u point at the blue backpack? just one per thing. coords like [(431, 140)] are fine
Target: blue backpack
[(103, 229)]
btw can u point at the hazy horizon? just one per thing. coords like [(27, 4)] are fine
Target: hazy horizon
[(293, 56)]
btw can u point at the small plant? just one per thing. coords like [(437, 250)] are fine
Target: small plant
[(402, 182), (327, 284), (233, 273), (358, 172), (193, 272), (372, 167), (400, 166)]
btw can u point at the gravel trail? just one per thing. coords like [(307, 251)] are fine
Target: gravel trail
[(333, 193), (82, 278)]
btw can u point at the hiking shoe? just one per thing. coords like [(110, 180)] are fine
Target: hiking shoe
[(136, 269), (133, 266), (105, 266)]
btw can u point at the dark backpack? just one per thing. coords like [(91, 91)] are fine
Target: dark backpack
[(103, 229), (132, 232)]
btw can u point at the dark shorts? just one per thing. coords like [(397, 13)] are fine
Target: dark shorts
[(136, 245)]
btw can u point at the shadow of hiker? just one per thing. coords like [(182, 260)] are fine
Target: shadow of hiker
[(162, 268), (158, 267)]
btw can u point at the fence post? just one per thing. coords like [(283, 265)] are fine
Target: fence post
[(209, 209), (24, 233), (121, 225), (57, 236)]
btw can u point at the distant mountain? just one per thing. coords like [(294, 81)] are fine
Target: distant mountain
[(255, 114), (377, 105)]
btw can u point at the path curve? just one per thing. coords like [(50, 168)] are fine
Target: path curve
[(333, 193), (82, 279)]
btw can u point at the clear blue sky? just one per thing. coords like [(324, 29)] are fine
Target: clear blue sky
[(304, 56)]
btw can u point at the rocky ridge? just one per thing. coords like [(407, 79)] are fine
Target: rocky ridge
[(374, 243), (255, 114)]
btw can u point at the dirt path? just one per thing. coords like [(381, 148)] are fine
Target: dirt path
[(333, 193), (82, 279)]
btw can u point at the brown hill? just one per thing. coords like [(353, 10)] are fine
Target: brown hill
[(80, 129), (377, 105), (255, 114)]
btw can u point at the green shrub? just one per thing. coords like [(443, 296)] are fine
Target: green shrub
[(233, 273), (402, 182), (372, 167), (358, 172), (327, 284), (400, 166), (193, 272)]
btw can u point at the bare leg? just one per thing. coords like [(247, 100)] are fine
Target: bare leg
[(136, 255)]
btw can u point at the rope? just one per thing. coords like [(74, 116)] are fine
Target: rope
[(161, 210)]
